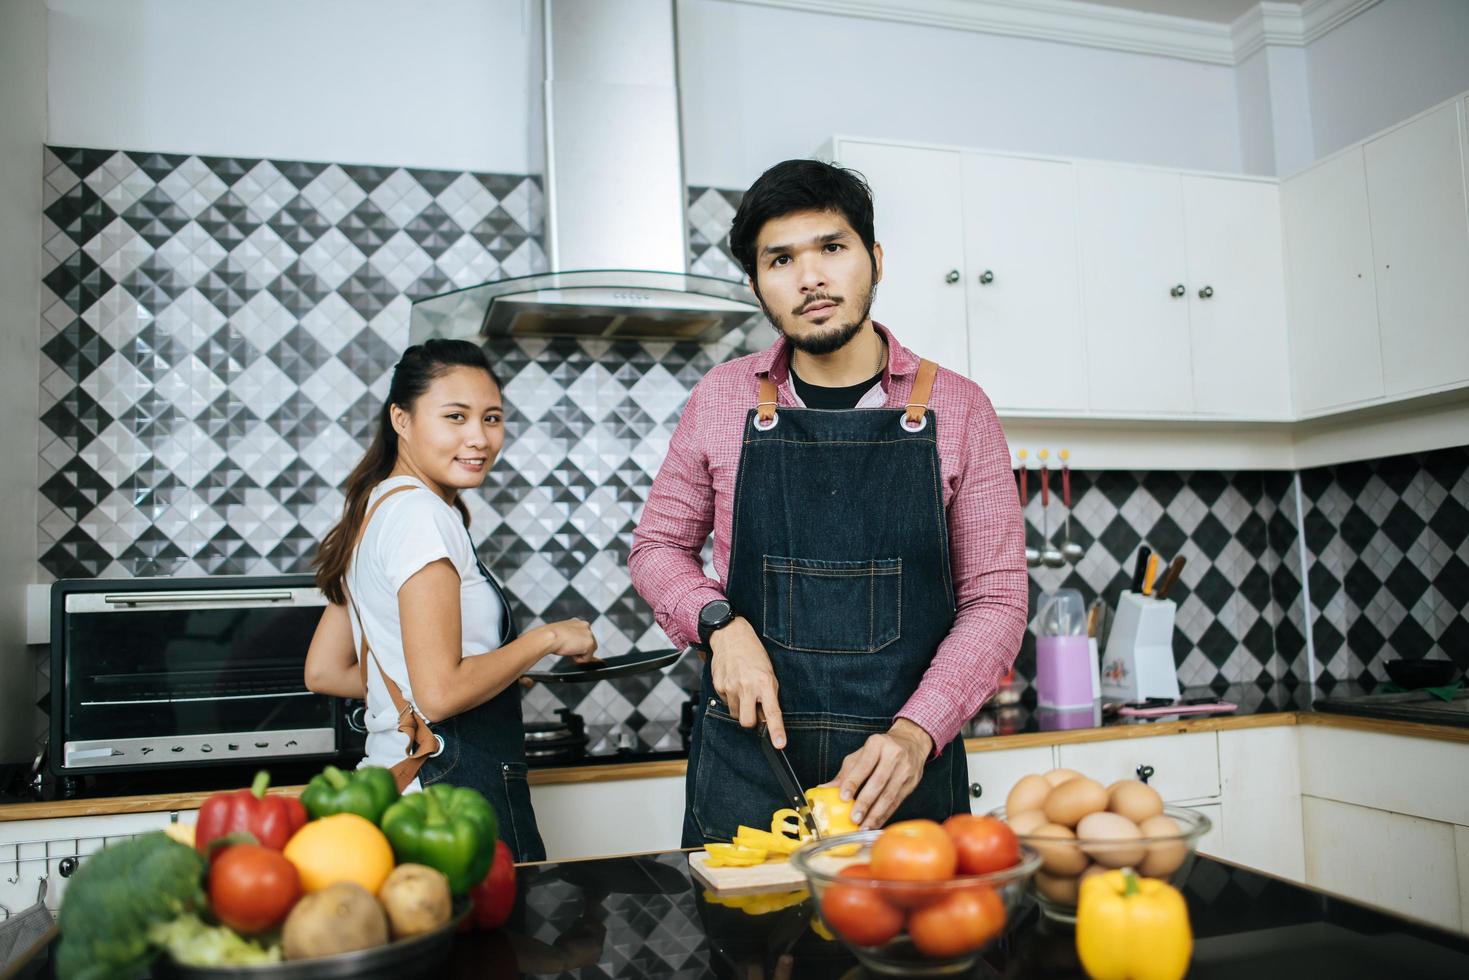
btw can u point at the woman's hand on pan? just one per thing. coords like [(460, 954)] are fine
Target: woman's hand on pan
[(573, 638)]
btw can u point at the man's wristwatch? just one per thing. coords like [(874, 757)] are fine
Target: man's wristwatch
[(716, 615)]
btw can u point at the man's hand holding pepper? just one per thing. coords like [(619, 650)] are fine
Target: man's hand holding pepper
[(743, 677), (883, 772)]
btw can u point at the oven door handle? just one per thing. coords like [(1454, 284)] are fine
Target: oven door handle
[(213, 596)]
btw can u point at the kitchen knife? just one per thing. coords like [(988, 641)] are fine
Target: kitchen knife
[(1151, 575), (1169, 577), (1139, 567), (785, 778)]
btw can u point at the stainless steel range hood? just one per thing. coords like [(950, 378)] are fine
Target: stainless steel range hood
[(616, 234)]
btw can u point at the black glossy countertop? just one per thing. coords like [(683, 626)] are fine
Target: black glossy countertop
[(645, 917)]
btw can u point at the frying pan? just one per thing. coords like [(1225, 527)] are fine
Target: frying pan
[(1413, 674)]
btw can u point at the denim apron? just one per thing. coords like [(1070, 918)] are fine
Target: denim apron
[(839, 558), (484, 747)]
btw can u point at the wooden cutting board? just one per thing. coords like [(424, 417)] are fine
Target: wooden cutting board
[(774, 876)]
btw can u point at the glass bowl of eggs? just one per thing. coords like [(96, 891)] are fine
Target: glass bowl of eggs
[(1080, 828)]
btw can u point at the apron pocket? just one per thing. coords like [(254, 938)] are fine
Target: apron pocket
[(733, 784), (832, 606)]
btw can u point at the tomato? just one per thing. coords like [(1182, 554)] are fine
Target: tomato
[(859, 915), (914, 850), (494, 897), (957, 923), (984, 844), (863, 870), (251, 888)]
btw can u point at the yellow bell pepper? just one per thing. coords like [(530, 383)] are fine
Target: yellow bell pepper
[(1131, 928), (776, 844), (759, 904), (833, 814), (734, 855)]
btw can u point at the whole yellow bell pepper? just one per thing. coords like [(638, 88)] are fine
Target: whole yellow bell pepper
[(1132, 928)]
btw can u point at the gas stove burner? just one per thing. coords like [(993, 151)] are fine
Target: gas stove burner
[(562, 740)]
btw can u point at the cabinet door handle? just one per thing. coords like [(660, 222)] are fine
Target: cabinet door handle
[(952, 276), (976, 790), (1177, 291), (1206, 292), (986, 277), (1145, 772)]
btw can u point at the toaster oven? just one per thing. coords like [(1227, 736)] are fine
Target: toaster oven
[(171, 672)]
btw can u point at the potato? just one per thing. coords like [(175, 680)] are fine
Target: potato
[(339, 918), (417, 900)]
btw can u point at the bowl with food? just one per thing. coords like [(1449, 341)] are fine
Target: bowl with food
[(919, 898), (1080, 828)]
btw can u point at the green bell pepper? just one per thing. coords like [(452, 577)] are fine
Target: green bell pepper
[(366, 792), (451, 828)]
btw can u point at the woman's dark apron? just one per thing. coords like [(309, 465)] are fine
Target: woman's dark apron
[(483, 747), (839, 558)]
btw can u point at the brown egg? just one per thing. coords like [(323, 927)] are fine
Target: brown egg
[(1057, 847), (1028, 793), (1074, 799), (1165, 857), (1135, 800), (1058, 776), (1092, 870), (1027, 822), (1108, 837), (1060, 889)]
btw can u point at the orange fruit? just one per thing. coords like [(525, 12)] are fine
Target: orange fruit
[(341, 847)]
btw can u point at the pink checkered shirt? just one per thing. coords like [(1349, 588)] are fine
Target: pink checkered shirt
[(694, 494)]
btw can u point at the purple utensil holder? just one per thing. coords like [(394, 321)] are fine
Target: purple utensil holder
[(1063, 673)]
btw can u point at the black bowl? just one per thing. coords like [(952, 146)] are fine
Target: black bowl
[(1412, 674)]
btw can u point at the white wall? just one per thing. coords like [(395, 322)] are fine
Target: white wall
[(22, 132), (763, 84), (441, 85), (1388, 63)]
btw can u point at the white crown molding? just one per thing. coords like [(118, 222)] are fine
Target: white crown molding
[(1112, 28)]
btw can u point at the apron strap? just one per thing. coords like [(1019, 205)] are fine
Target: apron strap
[(421, 738), (917, 401), (765, 407), (922, 390)]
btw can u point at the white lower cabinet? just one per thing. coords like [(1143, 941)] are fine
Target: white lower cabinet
[(994, 773), (620, 816), (1260, 790), (31, 850), (1461, 849), (1397, 862), (1185, 767)]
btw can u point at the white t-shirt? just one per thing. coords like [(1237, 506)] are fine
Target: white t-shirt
[(409, 531)]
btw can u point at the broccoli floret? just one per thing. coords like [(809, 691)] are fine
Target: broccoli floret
[(116, 896)]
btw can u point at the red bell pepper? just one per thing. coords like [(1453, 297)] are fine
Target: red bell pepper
[(271, 820), (494, 897)]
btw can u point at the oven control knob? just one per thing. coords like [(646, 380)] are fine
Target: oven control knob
[(262, 745), (146, 749), (206, 748), (232, 746), (292, 744), (177, 748), (357, 719)]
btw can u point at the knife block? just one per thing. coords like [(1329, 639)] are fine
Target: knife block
[(1139, 660)]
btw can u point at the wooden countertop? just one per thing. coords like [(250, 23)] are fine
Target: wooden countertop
[(647, 770)]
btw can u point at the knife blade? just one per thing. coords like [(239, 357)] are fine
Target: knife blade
[(785, 778)]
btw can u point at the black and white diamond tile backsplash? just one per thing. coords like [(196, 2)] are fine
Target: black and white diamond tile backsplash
[(218, 335), (1388, 549)]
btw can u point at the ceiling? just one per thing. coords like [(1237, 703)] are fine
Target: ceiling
[(1217, 11)]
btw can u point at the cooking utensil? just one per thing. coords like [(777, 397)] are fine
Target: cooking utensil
[(1151, 575), (569, 672), (1412, 674), (785, 777), (1070, 550), (1032, 555), (1169, 577), (1140, 568), (1050, 557)]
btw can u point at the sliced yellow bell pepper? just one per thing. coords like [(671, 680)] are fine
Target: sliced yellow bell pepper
[(1131, 928), (776, 844), (761, 903), (734, 855)]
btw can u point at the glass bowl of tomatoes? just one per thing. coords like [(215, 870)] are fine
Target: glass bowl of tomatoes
[(1162, 847), (902, 900)]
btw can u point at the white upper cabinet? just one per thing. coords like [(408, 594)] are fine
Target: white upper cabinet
[(1134, 289), (919, 222), (1420, 246), (1236, 298), (1335, 355), (1026, 346)]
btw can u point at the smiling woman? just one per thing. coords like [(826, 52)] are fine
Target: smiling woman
[(408, 593)]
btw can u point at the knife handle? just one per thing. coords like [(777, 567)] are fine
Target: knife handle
[(1169, 577), (1140, 567), (1151, 575)]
